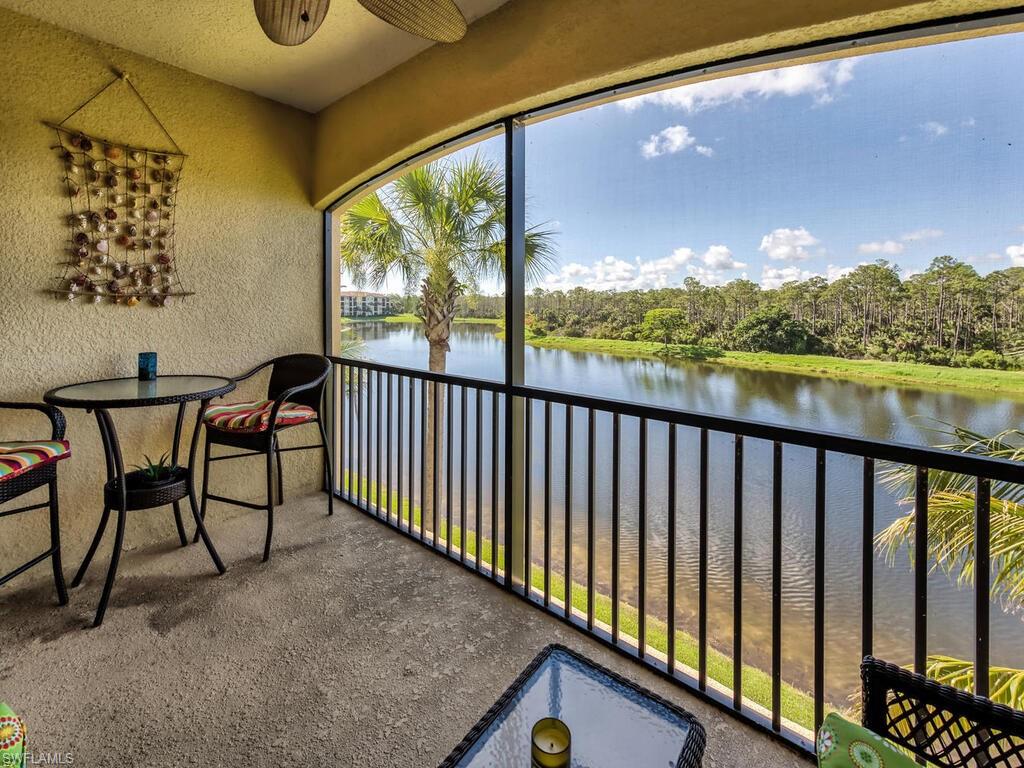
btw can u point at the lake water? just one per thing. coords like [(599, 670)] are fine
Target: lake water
[(883, 412)]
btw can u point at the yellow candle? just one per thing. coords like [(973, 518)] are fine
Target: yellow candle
[(550, 744)]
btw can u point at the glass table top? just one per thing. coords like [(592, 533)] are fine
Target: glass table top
[(611, 723), (128, 392)]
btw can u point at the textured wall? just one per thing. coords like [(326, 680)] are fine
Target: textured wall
[(532, 52), (248, 243)]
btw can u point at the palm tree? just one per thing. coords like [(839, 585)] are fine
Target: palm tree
[(951, 541), (441, 226)]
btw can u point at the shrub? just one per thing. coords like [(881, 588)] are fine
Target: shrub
[(771, 329)]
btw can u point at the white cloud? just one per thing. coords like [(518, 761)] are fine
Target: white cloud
[(986, 258), (675, 138), (921, 234), (773, 277), (1016, 254), (888, 247), (707, 276), (612, 274), (934, 128), (784, 244), (970, 122), (821, 80), (833, 272)]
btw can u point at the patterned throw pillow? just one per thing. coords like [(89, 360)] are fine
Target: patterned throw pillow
[(12, 738), (842, 744)]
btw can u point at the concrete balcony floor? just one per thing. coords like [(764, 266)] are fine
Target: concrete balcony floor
[(352, 646)]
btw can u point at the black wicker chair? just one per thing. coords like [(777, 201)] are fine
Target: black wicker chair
[(35, 465), (941, 724), (294, 397)]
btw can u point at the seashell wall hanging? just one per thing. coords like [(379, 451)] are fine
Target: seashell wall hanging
[(104, 258)]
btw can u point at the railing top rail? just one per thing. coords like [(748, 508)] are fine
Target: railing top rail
[(882, 450)]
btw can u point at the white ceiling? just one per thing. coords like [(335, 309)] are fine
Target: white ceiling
[(223, 41)]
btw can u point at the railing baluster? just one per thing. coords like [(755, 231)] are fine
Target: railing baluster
[(436, 475), (867, 565), (819, 587), (360, 434), (591, 537), (494, 486), (389, 449), (982, 579), (547, 503), (702, 566), (776, 585), (401, 445), (737, 574), (424, 389), (568, 511), (527, 500), (616, 437), (921, 570), (671, 564), (463, 415), (641, 582), (449, 410), (478, 488), (338, 438), (378, 442), (412, 456)]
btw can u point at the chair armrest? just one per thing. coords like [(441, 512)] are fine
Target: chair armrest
[(58, 423), (253, 372), (288, 393), (842, 744)]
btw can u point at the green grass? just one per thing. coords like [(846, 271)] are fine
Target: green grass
[(1001, 383), (797, 706)]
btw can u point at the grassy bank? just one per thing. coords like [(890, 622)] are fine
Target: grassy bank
[(797, 706), (877, 371)]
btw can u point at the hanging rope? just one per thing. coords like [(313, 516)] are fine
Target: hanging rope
[(123, 77)]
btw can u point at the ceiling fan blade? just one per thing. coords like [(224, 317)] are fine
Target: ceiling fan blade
[(439, 20), (290, 22)]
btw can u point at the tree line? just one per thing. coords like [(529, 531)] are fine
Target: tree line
[(946, 315)]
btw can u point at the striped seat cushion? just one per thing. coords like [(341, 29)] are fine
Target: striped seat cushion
[(21, 456), (255, 416)]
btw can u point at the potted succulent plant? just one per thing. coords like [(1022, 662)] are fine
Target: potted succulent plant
[(155, 473)]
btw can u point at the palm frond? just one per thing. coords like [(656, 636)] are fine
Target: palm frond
[(1006, 685)]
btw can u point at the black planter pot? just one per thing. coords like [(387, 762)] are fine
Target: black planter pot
[(143, 493)]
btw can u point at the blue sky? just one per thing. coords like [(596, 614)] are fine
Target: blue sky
[(788, 173)]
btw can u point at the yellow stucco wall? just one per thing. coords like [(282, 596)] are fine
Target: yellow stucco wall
[(532, 52), (248, 243)]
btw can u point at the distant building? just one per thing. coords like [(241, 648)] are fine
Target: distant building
[(367, 304)]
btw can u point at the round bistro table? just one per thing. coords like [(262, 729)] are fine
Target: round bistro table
[(124, 491)]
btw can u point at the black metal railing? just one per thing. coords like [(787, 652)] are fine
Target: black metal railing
[(520, 451)]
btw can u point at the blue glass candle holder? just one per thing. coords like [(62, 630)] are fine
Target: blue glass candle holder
[(147, 366)]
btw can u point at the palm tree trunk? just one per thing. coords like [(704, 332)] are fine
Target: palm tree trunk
[(437, 312)]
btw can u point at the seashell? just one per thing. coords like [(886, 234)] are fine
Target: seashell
[(132, 301), (118, 199), (154, 203), (131, 230), (76, 140), (84, 143), (95, 271), (124, 241), (152, 216), (92, 177), (163, 258), (73, 169), (147, 244), (102, 258), (114, 287), (151, 268), (96, 298), (135, 214), (168, 200), (161, 243), (168, 175), (80, 252), (168, 268), (152, 231), (170, 189), (96, 166), (79, 280), (81, 239), (134, 174), (167, 215), (102, 246), (157, 174), (112, 153), (79, 220), (110, 214), (70, 296), (136, 156), (159, 159), (82, 264), (94, 217), (119, 270), (103, 227), (136, 187), (111, 180)]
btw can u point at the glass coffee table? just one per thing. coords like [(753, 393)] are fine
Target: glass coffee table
[(612, 721)]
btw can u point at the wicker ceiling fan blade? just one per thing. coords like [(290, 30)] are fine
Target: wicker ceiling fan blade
[(439, 20), (290, 22)]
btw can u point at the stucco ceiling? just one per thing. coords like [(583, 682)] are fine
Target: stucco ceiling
[(223, 41)]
